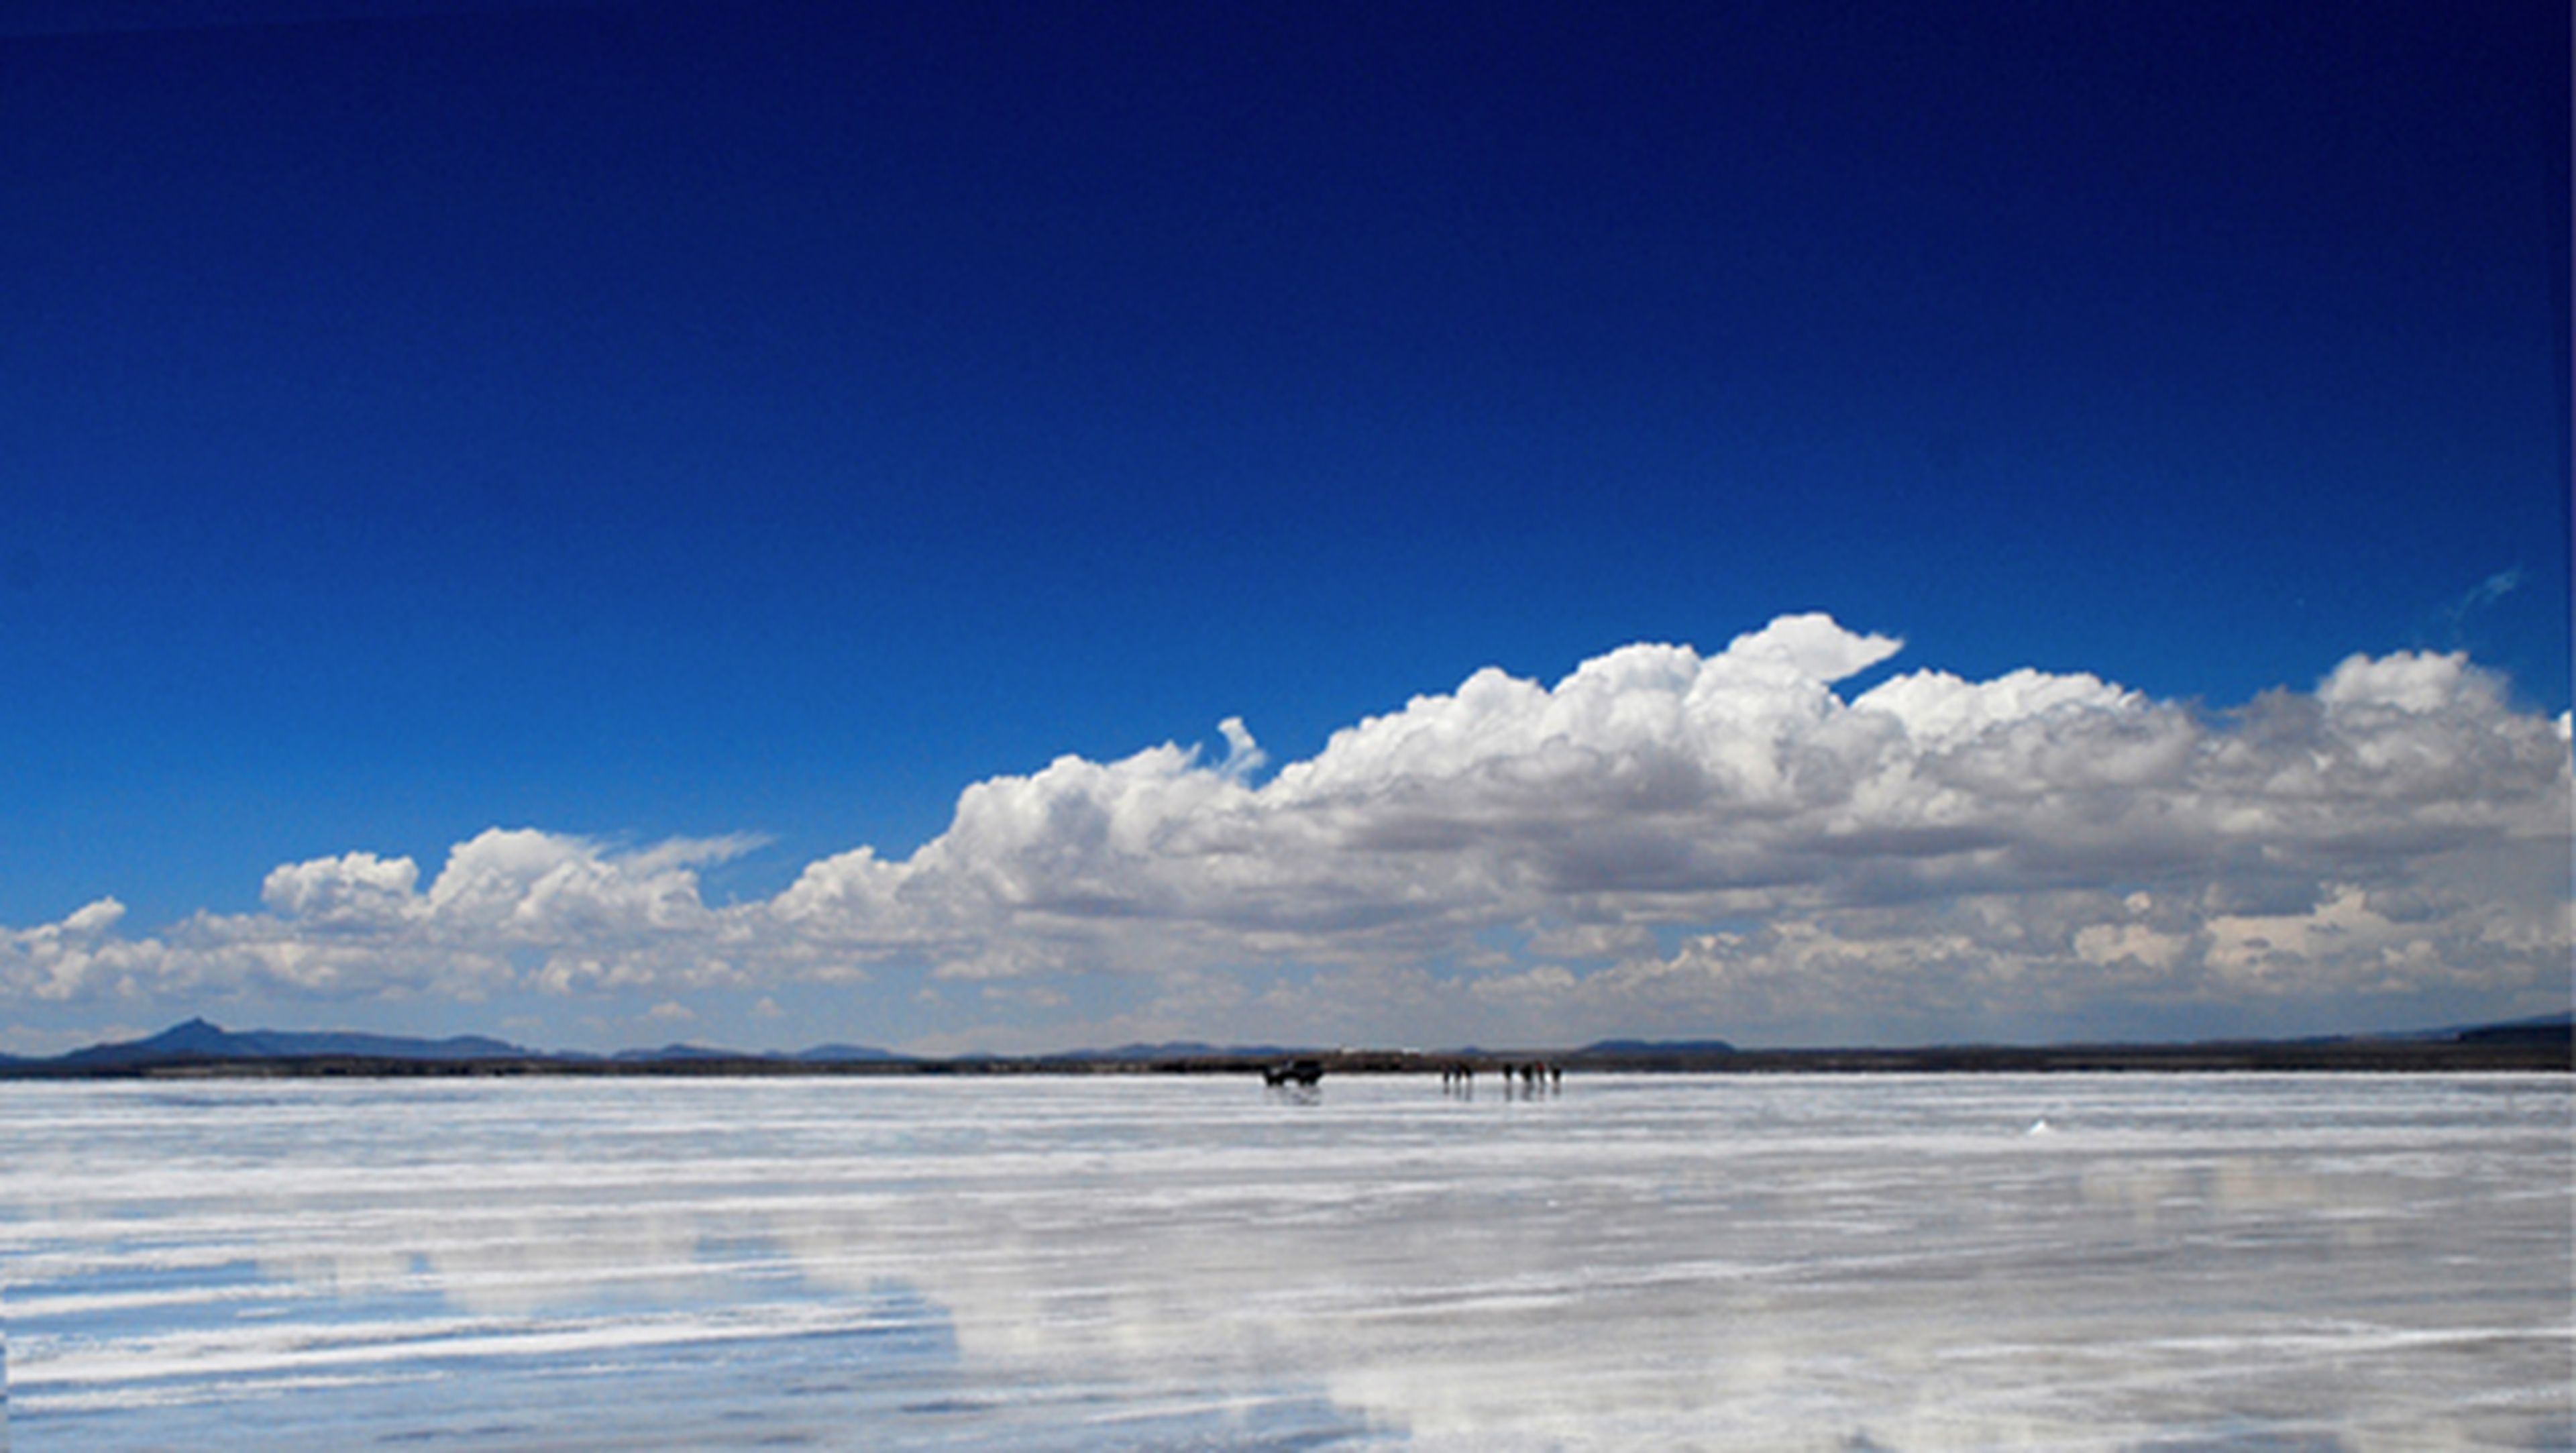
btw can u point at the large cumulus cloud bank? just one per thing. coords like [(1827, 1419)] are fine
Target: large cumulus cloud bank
[(1661, 838)]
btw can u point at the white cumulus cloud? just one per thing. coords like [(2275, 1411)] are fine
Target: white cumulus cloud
[(1724, 836)]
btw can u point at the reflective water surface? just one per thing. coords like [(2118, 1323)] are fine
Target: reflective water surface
[(2160, 1263)]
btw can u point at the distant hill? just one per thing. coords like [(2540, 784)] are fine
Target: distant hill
[(199, 1040), (845, 1054), (672, 1053), (2547, 1029), (1658, 1046)]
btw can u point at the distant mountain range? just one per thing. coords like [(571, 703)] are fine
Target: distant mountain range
[(199, 1043), (198, 1039)]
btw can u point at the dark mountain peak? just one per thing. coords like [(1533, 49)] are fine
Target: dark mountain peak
[(193, 1039), (192, 1032)]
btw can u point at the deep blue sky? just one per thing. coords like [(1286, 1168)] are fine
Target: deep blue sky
[(646, 419)]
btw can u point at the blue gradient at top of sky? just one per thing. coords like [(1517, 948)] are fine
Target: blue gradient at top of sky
[(649, 419)]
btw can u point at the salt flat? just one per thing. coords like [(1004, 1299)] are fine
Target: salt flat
[(1882, 1262)]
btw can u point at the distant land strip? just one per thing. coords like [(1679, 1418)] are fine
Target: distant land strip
[(201, 1050)]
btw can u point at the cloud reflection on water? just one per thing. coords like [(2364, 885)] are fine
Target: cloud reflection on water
[(1781, 1264)]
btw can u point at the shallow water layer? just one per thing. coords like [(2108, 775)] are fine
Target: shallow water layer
[(2160, 1263)]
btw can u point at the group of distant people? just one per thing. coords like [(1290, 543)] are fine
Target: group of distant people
[(1528, 1078)]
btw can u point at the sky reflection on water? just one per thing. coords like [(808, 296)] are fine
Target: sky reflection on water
[(2158, 1263)]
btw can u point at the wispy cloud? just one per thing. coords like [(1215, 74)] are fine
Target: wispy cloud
[(2480, 597), (1719, 837)]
